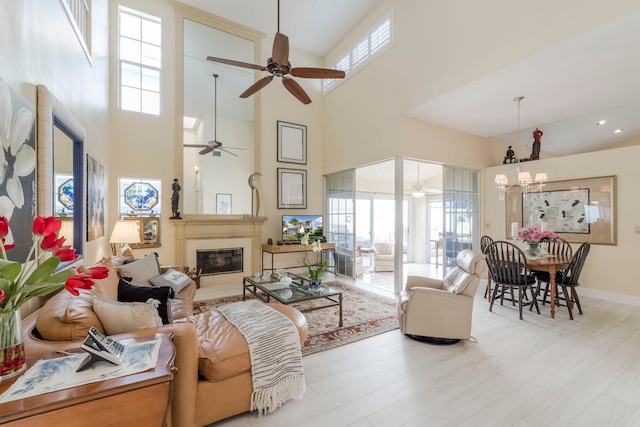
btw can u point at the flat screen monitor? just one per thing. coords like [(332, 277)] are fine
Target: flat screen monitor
[(296, 226)]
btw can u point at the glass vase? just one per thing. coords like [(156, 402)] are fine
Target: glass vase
[(533, 250), (12, 357)]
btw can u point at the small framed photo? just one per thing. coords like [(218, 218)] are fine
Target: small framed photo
[(223, 204), (292, 188), (292, 143), (149, 228)]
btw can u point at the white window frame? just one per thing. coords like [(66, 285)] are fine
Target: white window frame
[(351, 65), (143, 67)]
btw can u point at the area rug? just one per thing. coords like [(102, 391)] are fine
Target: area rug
[(364, 315)]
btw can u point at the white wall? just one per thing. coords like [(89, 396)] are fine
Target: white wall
[(609, 272)]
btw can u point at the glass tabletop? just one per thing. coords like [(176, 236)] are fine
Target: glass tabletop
[(299, 289)]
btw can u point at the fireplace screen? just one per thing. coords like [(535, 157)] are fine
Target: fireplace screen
[(219, 261)]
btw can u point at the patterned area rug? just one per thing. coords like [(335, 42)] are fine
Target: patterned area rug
[(364, 314)]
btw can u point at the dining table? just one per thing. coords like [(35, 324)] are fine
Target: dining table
[(550, 264)]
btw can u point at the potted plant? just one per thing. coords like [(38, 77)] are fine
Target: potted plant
[(315, 270)]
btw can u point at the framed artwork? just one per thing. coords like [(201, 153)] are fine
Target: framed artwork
[(64, 194), (292, 188), (223, 204), (17, 183), (292, 143), (580, 210), (95, 199), (149, 231)]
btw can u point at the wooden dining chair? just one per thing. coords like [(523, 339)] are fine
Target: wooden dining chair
[(570, 276), (484, 242), (559, 247), (508, 269)]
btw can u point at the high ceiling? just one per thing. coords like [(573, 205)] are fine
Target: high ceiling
[(567, 88)]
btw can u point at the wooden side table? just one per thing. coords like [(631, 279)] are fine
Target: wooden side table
[(141, 399)]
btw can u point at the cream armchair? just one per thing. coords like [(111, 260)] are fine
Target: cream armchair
[(383, 257), (439, 312)]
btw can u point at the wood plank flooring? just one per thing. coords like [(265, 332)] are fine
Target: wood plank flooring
[(524, 373)]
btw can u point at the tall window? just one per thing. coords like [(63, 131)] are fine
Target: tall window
[(140, 61), (377, 40)]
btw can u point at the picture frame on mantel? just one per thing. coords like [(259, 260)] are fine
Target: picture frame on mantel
[(577, 210), (292, 188), (292, 143)]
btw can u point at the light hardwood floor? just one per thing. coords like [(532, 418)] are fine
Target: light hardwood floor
[(533, 372)]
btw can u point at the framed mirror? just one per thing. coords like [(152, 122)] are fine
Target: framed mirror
[(61, 167), (213, 111)]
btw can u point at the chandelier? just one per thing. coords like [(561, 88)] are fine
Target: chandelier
[(523, 178)]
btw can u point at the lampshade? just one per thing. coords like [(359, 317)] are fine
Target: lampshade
[(124, 232), (541, 177), (524, 178), (501, 179)]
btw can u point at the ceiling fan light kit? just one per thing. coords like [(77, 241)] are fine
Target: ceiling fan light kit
[(279, 66)]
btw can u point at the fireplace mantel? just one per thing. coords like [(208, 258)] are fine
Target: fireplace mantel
[(203, 227)]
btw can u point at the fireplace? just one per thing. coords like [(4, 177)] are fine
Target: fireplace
[(219, 261)]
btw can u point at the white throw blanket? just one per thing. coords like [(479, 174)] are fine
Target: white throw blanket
[(274, 347)]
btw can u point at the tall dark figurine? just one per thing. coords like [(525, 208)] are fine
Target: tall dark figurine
[(510, 157), (175, 199), (535, 149)]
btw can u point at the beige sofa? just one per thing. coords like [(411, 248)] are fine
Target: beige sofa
[(196, 400)]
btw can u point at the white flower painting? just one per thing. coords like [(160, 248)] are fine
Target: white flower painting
[(95, 199), (17, 168)]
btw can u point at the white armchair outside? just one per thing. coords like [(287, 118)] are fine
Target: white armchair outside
[(440, 311)]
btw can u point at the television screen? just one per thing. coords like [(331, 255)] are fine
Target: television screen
[(296, 226)]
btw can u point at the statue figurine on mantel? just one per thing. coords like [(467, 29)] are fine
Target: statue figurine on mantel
[(510, 157), (175, 199), (257, 205)]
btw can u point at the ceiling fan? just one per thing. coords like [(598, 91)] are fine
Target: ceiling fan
[(279, 65), (215, 144), (418, 190)]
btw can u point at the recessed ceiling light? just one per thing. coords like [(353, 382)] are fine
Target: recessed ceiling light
[(601, 122), (618, 131)]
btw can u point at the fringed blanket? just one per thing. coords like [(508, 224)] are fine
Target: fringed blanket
[(274, 347)]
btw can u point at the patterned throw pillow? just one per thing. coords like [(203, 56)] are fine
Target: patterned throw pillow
[(141, 270), (175, 279)]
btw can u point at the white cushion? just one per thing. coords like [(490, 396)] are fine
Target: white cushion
[(141, 271), (172, 278)]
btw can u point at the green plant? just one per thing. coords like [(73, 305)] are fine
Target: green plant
[(315, 271)]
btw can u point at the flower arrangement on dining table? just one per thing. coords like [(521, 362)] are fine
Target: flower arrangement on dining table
[(36, 277), (534, 235), (315, 271)]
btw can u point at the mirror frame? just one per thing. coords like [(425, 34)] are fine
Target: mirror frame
[(51, 113), (183, 12)]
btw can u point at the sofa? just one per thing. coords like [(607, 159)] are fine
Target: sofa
[(211, 382)]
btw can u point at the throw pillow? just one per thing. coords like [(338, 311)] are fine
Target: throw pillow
[(128, 292), (141, 270), (120, 317), (175, 279)]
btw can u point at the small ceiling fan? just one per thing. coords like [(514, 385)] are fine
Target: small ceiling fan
[(418, 190), (279, 65), (215, 144)]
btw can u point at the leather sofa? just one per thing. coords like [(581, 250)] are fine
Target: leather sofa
[(441, 310), (196, 400)]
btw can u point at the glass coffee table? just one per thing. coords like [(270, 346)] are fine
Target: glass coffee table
[(298, 291)]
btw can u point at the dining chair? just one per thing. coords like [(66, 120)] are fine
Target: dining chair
[(508, 269), (558, 247), (570, 276), (484, 242)]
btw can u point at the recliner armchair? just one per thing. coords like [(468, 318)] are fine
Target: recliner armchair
[(383, 256), (439, 311)]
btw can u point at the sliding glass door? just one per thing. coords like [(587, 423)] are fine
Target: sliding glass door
[(340, 218), (461, 212)]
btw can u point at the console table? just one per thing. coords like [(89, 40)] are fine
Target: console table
[(140, 399), (274, 250)]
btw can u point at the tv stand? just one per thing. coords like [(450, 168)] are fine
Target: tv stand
[(293, 248)]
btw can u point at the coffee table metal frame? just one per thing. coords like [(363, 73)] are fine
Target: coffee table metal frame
[(265, 289)]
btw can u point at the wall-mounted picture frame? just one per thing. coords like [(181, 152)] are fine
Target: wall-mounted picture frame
[(578, 210), (292, 143), (223, 204), (149, 228), (292, 188)]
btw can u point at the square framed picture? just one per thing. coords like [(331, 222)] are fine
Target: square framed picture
[(292, 143), (149, 228), (223, 204), (292, 188)]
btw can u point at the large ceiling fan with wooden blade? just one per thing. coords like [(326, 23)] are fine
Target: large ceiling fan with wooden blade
[(215, 144), (279, 65)]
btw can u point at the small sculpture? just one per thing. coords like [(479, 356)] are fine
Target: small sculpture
[(256, 207), (510, 157), (535, 149), (175, 199)]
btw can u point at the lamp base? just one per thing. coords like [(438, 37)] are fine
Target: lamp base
[(434, 340)]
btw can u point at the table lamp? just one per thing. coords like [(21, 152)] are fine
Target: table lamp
[(124, 233)]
